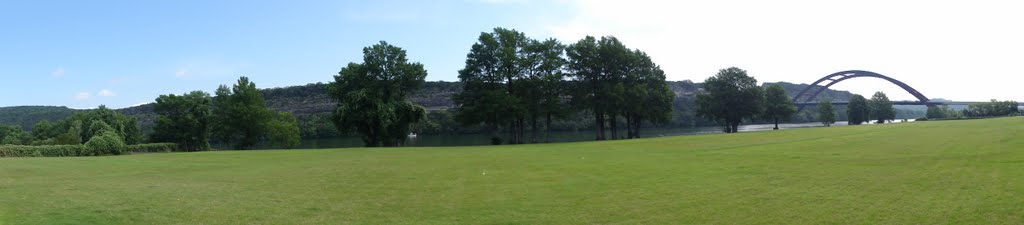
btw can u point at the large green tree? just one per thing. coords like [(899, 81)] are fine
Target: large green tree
[(184, 119), (544, 85), (729, 97), (240, 115), (646, 96), (777, 105), (858, 110), (881, 108), (372, 96), (509, 81), (613, 81), (283, 130), (826, 114)]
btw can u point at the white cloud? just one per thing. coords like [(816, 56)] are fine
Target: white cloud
[(932, 46), (181, 73), (82, 96), (106, 93), (59, 72)]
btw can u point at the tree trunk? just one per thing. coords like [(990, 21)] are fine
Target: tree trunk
[(547, 129), (776, 124), (634, 125), (629, 126), (614, 125), (533, 129), (599, 119)]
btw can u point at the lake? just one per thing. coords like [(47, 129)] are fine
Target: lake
[(559, 136)]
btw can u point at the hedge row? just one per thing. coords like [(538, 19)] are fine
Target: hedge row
[(44, 151), (154, 147), (79, 150)]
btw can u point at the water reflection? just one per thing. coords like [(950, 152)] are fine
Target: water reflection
[(563, 136)]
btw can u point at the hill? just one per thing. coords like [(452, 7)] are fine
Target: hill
[(27, 116), (312, 106), (955, 172)]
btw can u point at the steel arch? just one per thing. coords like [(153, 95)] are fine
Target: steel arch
[(844, 75)]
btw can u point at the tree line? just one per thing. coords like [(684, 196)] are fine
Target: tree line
[(235, 116)]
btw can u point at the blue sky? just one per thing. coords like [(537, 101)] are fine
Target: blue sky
[(83, 54)]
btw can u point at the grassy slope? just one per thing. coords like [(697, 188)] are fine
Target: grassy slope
[(919, 173)]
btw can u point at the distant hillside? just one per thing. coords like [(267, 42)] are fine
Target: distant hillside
[(27, 116), (310, 103)]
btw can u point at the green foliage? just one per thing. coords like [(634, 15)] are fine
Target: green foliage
[(992, 109), (729, 97), (283, 131), (106, 143), (27, 116), (184, 120), (13, 135), (881, 108), (858, 110), (372, 96), (153, 147), (826, 114), (610, 80), (44, 151), (240, 114), (777, 105), (72, 136), (83, 125)]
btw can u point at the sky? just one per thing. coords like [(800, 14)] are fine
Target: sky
[(83, 54)]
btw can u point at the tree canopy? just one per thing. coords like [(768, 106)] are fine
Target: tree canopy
[(858, 110), (729, 97), (185, 120), (777, 105), (881, 108), (240, 115), (826, 114), (372, 96)]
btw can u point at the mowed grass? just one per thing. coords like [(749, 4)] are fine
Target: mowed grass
[(952, 172)]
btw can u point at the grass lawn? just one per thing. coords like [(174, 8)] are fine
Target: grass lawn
[(949, 172)]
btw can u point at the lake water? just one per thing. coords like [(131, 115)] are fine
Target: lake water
[(561, 136)]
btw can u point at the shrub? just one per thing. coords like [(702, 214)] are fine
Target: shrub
[(153, 147), (44, 150), (106, 143)]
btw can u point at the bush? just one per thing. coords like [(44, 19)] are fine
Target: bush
[(107, 143), (45, 150), (154, 147)]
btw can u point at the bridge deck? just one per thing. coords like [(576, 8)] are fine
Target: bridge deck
[(905, 103)]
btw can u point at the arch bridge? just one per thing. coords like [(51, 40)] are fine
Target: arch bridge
[(806, 97)]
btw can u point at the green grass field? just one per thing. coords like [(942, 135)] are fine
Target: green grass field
[(951, 172)]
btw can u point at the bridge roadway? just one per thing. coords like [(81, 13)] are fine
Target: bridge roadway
[(903, 103)]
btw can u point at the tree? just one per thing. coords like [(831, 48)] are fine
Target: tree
[(645, 95), (612, 81), (881, 108), (543, 88), (934, 112), (372, 96), (777, 105), (858, 110), (240, 114), (504, 80), (185, 120), (729, 97), (283, 130), (826, 114), (73, 136)]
